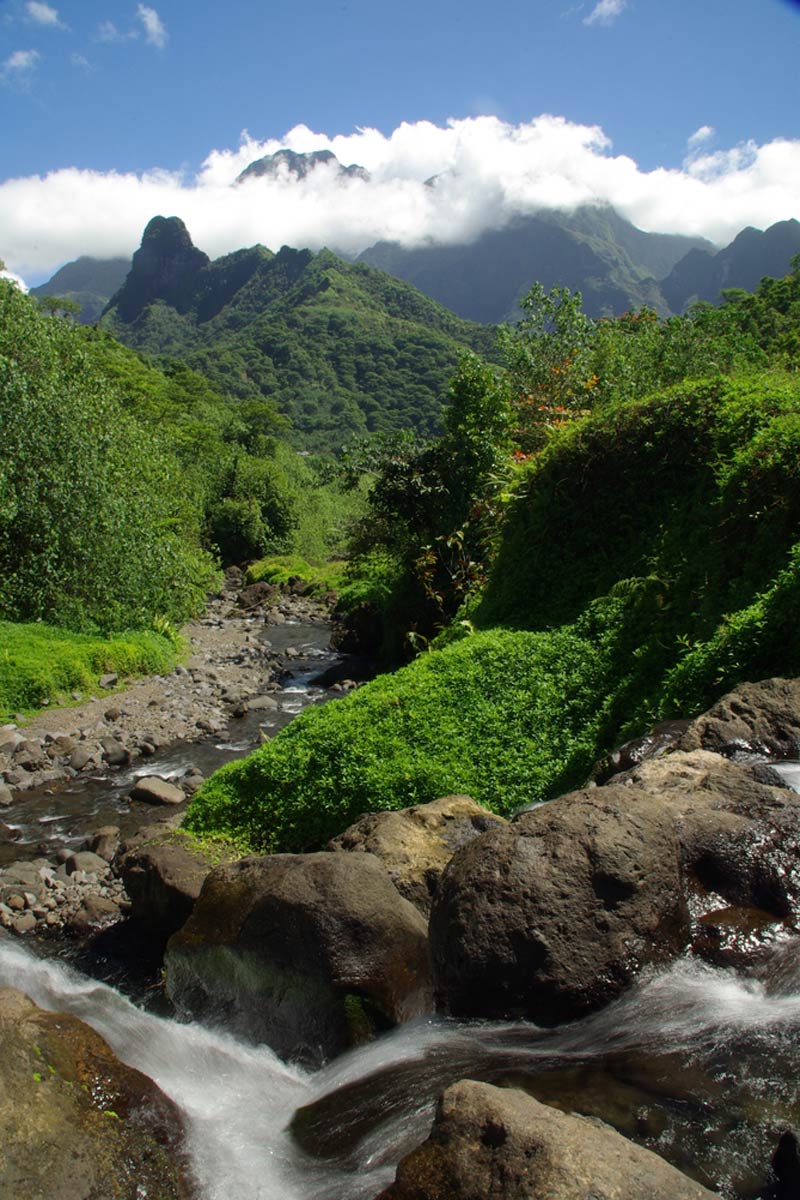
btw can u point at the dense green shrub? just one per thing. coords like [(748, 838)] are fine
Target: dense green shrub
[(650, 562), (98, 528), (506, 717)]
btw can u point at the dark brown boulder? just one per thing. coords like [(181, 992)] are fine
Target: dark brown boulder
[(163, 871), (75, 1122), (499, 1142), (553, 916), (311, 953), (756, 718), (416, 844)]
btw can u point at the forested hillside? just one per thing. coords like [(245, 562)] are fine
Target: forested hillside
[(338, 349)]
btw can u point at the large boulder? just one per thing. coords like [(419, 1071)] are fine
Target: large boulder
[(499, 1142), (75, 1122), (416, 844), (311, 953), (554, 915), (163, 870)]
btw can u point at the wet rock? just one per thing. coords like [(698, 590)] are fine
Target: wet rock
[(74, 1121), (416, 844), (661, 738), (310, 953), (6, 796), (80, 758), (114, 753), (499, 1142), (94, 912), (154, 790), (553, 916), (786, 1168), (262, 703)]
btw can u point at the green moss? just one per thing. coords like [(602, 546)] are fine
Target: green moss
[(281, 568)]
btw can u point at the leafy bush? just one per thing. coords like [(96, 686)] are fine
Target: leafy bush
[(98, 529), (650, 561), (508, 718)]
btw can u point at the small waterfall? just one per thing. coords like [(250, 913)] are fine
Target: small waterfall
[(703, 1062)]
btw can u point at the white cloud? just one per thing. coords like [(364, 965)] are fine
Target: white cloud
[(17, 279), (154, 31), (80, 61), (43, 14), (488, 170), (604, 12), (107, 32), (20, 61)]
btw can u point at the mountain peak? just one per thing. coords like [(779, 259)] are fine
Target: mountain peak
[(163, 268), (299, 166)]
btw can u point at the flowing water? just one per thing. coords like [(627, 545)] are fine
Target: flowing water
[(701, 1064), (696, 1063), (63, 815)]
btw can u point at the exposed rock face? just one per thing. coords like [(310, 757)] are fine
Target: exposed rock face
[(75, 1122), (163, 268), (285, 163), (552, 916), (757, 718), (311, 953), (499, 1142), (416, 844)]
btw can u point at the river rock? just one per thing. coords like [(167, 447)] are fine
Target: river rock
[(114, 753), (163, 871), (6, 796), (75, 1122), (554, 915), (86, 861), (311, 953), (154, 790), (756, 718), (416, 844), (499, 1142), (104, 842)]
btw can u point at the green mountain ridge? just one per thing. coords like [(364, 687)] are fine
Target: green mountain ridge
[(88, 281), (339, 348)]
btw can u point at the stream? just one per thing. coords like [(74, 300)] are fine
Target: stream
[(63, 815), (697, 1063)]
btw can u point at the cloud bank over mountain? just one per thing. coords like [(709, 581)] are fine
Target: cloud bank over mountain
[(484, 172)]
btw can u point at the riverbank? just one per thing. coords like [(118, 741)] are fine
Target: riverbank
[(230, 662), (75, 782)]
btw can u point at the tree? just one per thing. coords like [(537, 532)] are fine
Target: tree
[(59, 306)]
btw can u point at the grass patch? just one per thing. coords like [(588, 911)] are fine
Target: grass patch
[(39, 663), (281, 568)]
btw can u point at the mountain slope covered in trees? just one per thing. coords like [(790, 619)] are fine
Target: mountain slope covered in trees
[(339, 349)]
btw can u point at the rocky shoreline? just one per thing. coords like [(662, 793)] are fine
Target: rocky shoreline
[(231, 670)]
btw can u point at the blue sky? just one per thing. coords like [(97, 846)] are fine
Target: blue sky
[(683, 114)]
